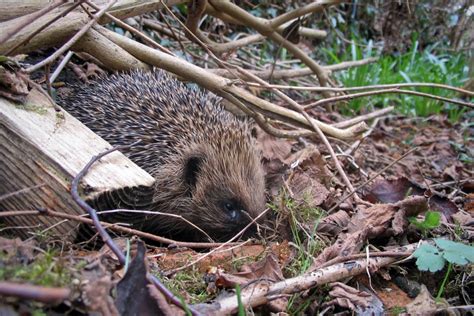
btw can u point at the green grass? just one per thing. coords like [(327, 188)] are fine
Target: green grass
[(303, 221), (413, 66)]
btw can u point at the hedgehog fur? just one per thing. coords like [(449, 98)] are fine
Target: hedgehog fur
[(204, 160)]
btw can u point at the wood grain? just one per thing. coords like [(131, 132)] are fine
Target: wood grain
[(39, 145)]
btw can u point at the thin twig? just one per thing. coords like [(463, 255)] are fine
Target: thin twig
[(131, 29), (356, 144), (365, 117), (299, 72), (60, 67), (346, 97), (393, 90), (372, 87)]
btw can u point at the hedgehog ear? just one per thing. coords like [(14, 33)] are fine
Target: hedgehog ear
[(191, 170)]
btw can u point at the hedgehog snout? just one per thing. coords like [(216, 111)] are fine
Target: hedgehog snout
[(234, 211)]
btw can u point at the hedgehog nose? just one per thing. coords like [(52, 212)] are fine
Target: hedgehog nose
[(235, 215)]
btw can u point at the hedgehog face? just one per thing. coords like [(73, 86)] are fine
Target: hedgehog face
[(225, 195)]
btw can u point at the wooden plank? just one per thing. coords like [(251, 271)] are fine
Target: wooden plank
[(39, 145)]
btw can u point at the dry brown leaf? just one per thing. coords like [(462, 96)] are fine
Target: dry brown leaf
[(391, 191), (453, 172), (463, 218), (348, 297), (378, 220), (17, 251), (392, 296), (334, 223), (133, 296), (273, 147), (469, 203), (308, 191), (268, 268)]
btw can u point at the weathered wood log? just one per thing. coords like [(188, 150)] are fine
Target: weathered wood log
[(11, 9), (63, 29), (42, 145)]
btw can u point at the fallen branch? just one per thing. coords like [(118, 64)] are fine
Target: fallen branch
[(263, 291), (224, 87), (58, 33)]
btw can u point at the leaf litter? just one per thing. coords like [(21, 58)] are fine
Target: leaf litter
[(300, 236)]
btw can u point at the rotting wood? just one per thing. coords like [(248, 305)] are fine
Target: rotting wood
[(40, 145)]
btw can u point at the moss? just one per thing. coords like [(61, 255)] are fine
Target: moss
[(30, 107), (188, 284), (44, 270)]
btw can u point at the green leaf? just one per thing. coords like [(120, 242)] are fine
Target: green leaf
[(429, 258), (432, 220), (455, 252)]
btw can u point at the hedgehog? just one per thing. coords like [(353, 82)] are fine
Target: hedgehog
[(204, 160)]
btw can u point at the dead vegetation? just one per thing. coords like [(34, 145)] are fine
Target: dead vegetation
[(350, 199)]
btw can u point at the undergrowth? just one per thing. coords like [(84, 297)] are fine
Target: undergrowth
[(427, 66)]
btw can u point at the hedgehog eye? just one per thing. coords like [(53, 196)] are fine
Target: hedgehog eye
[(229, 207)]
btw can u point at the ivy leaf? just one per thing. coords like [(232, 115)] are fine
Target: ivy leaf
[(432, 220), (455, 252), (429, 258)]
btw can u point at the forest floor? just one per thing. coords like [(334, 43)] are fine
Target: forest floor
[(308, 224)]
